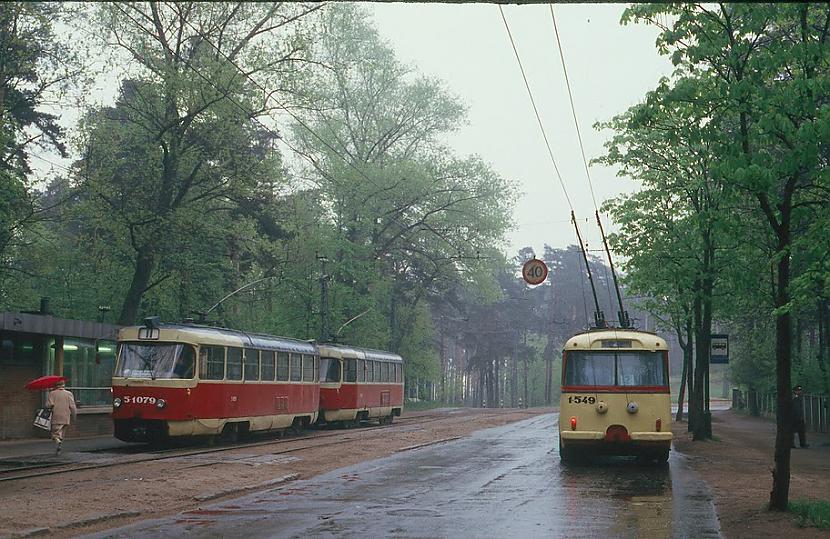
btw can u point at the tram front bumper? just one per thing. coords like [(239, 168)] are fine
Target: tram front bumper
[(587, 435)]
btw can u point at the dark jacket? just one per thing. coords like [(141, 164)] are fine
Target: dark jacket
[(798, 410)]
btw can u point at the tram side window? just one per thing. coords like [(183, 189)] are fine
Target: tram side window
[(376, 365), (398, 378), (385, 372), (296, 367), (308, 368), (251, 364), (330, 369), (361, 370), (350, 374), (234, 364), (282, 366), (316, 369), (212, 363), (267, 358)]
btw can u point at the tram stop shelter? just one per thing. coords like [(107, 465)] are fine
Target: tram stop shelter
[(34, 344)]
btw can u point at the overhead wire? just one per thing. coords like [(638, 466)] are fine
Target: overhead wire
[(573, 108), (587, 170), (535, 108), (547, 144)]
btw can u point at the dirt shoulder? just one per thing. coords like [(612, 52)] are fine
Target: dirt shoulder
[(737, 465)]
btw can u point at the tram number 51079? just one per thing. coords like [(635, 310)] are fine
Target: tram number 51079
[(579, 399)]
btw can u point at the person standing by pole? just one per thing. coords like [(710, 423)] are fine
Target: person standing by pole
[(798, 418), (62, 404)]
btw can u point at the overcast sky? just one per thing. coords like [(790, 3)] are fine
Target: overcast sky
[(610, 67)]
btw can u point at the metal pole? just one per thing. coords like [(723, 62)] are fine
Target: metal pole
[(325, 335)]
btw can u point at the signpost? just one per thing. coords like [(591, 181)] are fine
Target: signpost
[(534, 271), (719, 348)]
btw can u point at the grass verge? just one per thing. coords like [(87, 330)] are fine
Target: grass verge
[(811, 513)]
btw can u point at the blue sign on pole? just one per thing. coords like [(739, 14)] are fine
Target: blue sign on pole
[(719, 348)]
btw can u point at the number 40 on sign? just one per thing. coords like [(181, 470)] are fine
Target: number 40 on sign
[(534, 271)]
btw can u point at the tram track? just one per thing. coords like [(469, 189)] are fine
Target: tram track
[(173, 453)]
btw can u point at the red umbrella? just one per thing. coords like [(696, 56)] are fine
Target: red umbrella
[(45, 382)]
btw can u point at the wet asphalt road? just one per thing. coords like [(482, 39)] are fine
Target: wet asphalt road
[(501, 482)]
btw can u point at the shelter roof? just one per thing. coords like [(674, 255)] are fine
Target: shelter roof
[(46, 324)]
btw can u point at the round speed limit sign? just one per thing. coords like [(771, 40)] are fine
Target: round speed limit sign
[(534, 271)]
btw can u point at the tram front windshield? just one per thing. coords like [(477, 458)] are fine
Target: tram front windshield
[(155, 360), (629, 368)]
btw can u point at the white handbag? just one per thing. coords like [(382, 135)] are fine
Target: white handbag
[(43, 419)]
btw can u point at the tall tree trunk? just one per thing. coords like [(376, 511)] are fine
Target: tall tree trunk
[(687, 359), (823, 336), (690, 372), (144, 263), (696, 402), (703, 321), (497, 383), (514, 372), (780, 493)]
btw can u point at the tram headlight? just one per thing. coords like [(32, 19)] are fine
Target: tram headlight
[(602, 407), (632, 407), (116, 402), (161, 403)]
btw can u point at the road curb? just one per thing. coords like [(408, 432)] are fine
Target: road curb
[(238, 490), (95, 519), (433, 442), (32, 532)]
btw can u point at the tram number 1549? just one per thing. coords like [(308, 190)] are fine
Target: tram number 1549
[(579, 399)]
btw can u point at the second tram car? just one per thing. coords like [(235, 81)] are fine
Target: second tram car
[(615, 395), (358, 384), (176, 380)]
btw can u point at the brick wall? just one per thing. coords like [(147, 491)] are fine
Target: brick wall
[(18, 405)]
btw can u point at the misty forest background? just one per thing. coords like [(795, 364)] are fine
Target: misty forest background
[(286, 148)]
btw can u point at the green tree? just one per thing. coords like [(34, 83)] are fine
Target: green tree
[(187, 117), (35, 67), (760, 73), (409, 217)]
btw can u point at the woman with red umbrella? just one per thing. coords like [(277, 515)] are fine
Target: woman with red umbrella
[(62, 403)]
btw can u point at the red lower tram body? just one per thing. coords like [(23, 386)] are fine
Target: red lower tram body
[(149, 413), (360, 402)]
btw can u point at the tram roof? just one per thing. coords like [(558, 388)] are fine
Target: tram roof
[(356, 352), (221, 336), (616, 339)]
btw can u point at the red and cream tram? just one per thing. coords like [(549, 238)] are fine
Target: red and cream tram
[(358, 384), (174, 380)]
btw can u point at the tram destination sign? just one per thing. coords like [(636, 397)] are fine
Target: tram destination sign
[(534, 271), (719, 348)]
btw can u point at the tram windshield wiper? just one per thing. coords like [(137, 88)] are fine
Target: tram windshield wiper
[(147, 363)]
